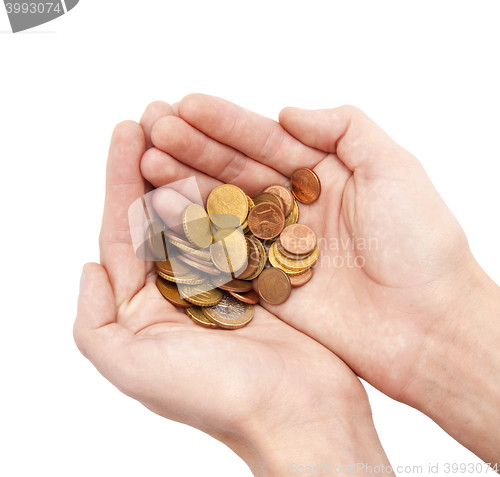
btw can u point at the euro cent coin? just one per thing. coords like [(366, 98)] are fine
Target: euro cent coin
[(306, 186), (251, 297), (156, 241), (197, 315), (197, 226), (266, 220), (169, 291), (301, 279), (230, 313), (227, 206), (284, 194), (298, 239), (274, 286)]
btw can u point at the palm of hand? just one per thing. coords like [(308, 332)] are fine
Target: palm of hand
[(382, 261), (223, 380)]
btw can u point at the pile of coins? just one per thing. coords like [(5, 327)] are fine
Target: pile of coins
[(208, 270)]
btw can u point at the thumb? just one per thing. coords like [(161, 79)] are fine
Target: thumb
[(346, 131), (95, 331)]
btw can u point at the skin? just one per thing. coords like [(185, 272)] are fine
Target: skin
[(271, 393), (416, 317)]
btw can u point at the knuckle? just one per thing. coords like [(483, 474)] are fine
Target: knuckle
[(80, 341), (115, 237), (165, 131), (273, 143), (352, 111)]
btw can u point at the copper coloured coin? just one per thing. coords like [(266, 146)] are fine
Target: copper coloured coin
[(170, 292), (306, 186), (301, 278), (198, 265), (236, 286), (266, 220), (298, 239), (171, 266), (266, 197), (253, 260), (284, 194), (274, 286), (170, 234), (251, 297)]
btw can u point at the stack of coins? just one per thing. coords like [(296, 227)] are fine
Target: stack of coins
[(210, 267)]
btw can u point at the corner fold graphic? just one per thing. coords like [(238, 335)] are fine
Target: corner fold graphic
[(70, 4), (37, 12)]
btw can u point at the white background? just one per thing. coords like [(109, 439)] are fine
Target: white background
[(427, 71)]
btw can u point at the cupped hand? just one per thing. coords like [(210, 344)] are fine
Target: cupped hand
[(394, 261), (266, 390)]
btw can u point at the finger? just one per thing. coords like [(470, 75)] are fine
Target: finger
[(170, 206), (100, 339), (346, 131), (153, 112), (254, 135), (124, 184), (160, 168), (192, 147)]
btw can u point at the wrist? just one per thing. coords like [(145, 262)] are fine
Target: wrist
[(348, 445), (345, 440), (456, 381)]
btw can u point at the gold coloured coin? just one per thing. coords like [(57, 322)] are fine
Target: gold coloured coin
[(199, 265), (156, 240), (267, 197), (229, 251), (197, 315), (262, 258), (170, 293), (200, 295), (188, 249), (251, 204), (171, 235), (292, 264), (188, 279), (230, 313), (197, 226), (293, 216), (170, 266), (274, 262), (253, 260), (227, 206)]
